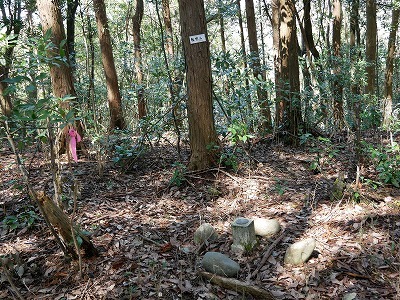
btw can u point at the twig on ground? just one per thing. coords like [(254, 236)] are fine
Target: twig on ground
[(151, 241), (268, 253)]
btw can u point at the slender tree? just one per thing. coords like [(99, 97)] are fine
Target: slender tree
[(136, 24), (221, 26), (308, 29), (370, 46), (113, 94), (255, 64), (337, 81), (72, 6), (244, 59), (388, 100), (169, 40), (13, 25), (202, 133)]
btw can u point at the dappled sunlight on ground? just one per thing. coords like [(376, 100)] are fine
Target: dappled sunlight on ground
[(143, 227)]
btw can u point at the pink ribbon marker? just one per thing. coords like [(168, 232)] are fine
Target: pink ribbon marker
[(74, 138)]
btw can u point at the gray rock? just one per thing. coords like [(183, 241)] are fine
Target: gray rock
[(220, 264), (243, 234), (266, 227), (299, 252), (205, 232)]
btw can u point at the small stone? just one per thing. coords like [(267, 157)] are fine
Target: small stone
[(266, 227), (299, 252), (205, 232), (220, 264)]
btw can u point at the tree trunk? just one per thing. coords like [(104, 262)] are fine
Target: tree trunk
[(169, 40), (13, 25), (308, 28), (370, 47), (114, 97), (221, 26), (279, 104), (244, 58), (60, 72), (202, 134), (136, 23), (72, 6), (262, 94), (388, 101), (354, 101), (337, 81), (289, 72)]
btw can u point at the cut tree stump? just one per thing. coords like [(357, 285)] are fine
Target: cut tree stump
[(62, 223), (238, 286)]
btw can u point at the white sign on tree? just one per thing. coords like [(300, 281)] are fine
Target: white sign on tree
[(199, 38)]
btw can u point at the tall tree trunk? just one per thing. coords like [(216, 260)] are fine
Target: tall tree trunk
[(13, 24), (221, 26), (388, 101), (308, 28), (370, 47), (354, 105), (355, 85), (202, 133), (169, 40), (136, 23), (60, 72), (244, 58), (72, 6), (337, 81), (276, 41), (289, 72), (90, 63), (114, 97), (255, 64), (175, 75)]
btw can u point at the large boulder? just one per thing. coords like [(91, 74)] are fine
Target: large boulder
[(220, 264), (298, 253), (266, 227), (205, 232)]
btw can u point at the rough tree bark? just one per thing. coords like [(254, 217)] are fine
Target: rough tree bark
[(114, 97), (60, 73), (370, 47), (169, 39), (255, 64), (289, 75), (308, 28), (337, 81), (202, 133), (275, 4), (388, 101), (244, 58), (72, 6), (13, 26), (136, 23)]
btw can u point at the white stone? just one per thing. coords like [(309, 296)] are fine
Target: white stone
[(266, 227), (298, 253)]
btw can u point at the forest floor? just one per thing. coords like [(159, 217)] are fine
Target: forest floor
[(143, 225)]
